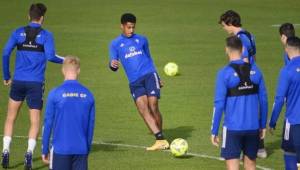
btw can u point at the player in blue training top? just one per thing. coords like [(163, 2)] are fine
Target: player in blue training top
[(241, 95), (288, 89), (69, 117), (231, 23), (132, 50), (35, 46), (286, 30)]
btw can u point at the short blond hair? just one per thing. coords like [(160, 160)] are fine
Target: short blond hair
[(71, 62)]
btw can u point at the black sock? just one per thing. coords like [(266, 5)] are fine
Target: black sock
[(159, 136)]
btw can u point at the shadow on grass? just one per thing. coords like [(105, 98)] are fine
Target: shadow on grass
[(272, 146), (107, 147), (179, 132), (184, 157), (21, 164)]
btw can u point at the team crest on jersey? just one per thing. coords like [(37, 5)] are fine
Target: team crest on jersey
[(121, 45), (298, 69), (137, 40), (132, 48)]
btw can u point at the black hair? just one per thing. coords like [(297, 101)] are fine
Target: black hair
[(231, 17), (287, 29), (36, 11), (233, 42), (128, 17), (293, 42)]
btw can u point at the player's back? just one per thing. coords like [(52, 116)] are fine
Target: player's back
[(30, 63), (73, 104), (242, 111)]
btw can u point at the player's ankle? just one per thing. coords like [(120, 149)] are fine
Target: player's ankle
[(31, 145), (6, 143), (159, 136)]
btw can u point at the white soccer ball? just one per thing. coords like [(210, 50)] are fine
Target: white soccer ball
[(179, 147), (171, 69)]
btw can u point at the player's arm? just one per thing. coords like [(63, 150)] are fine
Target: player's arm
[(263, 107), (9, 47), (91, 125), (49, 47), (113, 57), (47, 127), (282, 87), (219, 103)]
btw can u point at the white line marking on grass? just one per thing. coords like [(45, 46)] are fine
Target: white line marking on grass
[(278, 25), (144, 147)]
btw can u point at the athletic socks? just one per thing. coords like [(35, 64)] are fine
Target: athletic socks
[(290, 161), (6, 143), (31, 145), (159, 136)]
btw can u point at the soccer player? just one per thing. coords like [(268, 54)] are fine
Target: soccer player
[(70, 117), (286, 30), (289, 88), (241, 94), (231, 23), (133, 52), (35, 46)]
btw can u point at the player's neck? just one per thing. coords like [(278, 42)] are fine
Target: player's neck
[(236, 30), (294, 55), (234, 57), (70, 76)]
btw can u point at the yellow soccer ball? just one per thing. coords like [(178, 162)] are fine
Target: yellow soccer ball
[(171, 69), (179, 147)]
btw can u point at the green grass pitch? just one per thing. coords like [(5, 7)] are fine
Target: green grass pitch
[(185, 32)]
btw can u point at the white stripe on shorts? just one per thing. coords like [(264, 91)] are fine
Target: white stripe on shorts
[(224, 137), (156, 81), (287, 130), (51, 158)]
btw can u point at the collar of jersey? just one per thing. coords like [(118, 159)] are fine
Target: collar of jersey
[(70, 81), (34, 24), (240, 61), (124, 36), (296, 58)]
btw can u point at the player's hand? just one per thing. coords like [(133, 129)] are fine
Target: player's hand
[(46, 158), (7, 82), (161, 83), (262, 133), (215, 140), (271, 130), (114, 63)]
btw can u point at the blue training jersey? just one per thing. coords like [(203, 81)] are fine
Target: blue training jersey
[(134, 54), (247, 112), (247, 46), (29, 65), (288, 87), (70, 117)]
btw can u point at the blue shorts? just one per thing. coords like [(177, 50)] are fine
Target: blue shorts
[(69, 162), (148, 85), (32, 91), (234, 142), (291, 139)]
